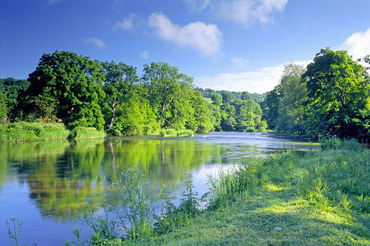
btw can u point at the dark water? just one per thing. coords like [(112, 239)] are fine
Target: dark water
[(43, 184)]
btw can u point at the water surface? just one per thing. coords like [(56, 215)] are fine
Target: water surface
[(43, 184)]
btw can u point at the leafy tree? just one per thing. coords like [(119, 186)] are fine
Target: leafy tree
[(168, 93), (12, 90), (246, 96), (338, 92), (3, 107), (75, 82), (227, 97), (202, 114), (271, 107), (293, 94), (217, 99), (119, 80), (137, 117)]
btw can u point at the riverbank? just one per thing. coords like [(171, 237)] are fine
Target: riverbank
[(321, 199), (26, 131)]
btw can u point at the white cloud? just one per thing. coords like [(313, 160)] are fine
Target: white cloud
[(198, 5), (250, 11), (241, 11), (358, 44), (51, 2), (144, 54), (127, 23), (258, 81), (206, 38), (240, 62), (97, 42)]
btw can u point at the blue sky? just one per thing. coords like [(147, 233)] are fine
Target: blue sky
[(239, 45)]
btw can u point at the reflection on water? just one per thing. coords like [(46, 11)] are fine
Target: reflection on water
[(44, 184)]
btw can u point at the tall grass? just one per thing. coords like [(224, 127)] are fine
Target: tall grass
[(86, 132), (25, 131), (174, 133)]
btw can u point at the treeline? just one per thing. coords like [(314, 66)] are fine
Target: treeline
[(330, 97), (208, 93), (80, 92)]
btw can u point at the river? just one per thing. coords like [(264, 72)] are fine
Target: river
[(44, 184)]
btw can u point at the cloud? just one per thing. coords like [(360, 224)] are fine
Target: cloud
[(250, 11), (241, 11), (51, 2), (97, 42), (144, 54), (358, 44), (198, 5), (206, 38), (258, 81), (127, 23), (240, 62)]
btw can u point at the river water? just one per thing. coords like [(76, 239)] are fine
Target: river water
[(43, 184)]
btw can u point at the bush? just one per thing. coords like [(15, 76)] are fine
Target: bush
[(174, 133), (86, 132), (25, 131)]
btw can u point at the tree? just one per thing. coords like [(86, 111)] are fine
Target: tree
[(338, 95), (271, 107), (168, 93), (227, 97), (75, 82), (13, 90), (293, 94), (3, 107), (204, 120), (217, 99), (119, 81)]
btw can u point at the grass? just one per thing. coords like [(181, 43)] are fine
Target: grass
[(174, 133), (25, 131), (321, 199), (86, 132), (37, 131)]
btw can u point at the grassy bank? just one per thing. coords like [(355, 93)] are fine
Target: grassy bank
[(321, 199), (26, 131), (174, 133)]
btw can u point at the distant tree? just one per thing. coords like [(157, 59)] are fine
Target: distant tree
[(227, 97), (246, 96), (3, 107), (338, 95), (74, 82), (202, 114), (271, 107), (13, 89), (217, 99)]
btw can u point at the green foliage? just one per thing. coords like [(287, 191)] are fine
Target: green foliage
[(339, 99), (291, 112), (175, 217), (229, 184), (13, 91), (3, 107), (86, 132), (14, 227), (168, 93), (136, 207), (73, 82), (24, 131), (174, 133)]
